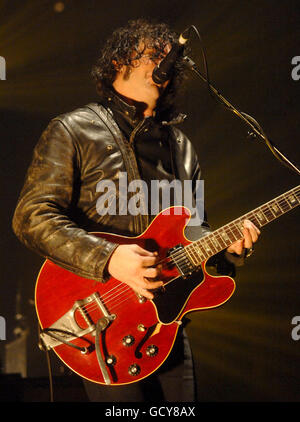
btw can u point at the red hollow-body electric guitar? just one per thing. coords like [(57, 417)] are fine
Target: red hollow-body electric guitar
[(108, 334)]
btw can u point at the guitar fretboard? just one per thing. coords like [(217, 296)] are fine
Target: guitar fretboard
[(220, 239)]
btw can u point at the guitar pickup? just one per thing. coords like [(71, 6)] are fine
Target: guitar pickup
[(181, 260)]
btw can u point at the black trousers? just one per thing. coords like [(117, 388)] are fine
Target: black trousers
[(174, 381)]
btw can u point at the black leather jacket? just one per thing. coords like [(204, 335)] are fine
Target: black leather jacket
[(56, 210)]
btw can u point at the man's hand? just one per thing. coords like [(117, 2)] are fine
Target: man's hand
[(132, 265), (251, 234)]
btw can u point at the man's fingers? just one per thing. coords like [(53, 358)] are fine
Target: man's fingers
[(144, 252), (147, 283), (150, 272), (252, 227), (147, 258), (148, 261), (237, 247), (247, 239), (145, 286), (251, 233), (135, 267)]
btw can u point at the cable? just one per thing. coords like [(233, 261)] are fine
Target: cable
[(50, 376), (204, 59), (43, 347)]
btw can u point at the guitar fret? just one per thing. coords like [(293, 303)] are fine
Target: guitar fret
[(270, 208), (255, 220), (228, 233), (292, 200), (236, 232), (268, 214), (225, 237), (231, 233), (199, 252), (238, 227), (285, 205), (210, 246), (216, 243), (261, 217), (280, 207), (194, 254), (190, 255), (208, 251), (221, 239), (276, 209)]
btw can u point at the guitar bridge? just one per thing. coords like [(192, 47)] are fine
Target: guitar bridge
[(181, 260), (66, 328)]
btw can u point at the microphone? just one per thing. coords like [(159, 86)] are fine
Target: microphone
[(163, 71)]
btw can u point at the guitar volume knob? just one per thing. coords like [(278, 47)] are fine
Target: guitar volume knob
[(128, 341), (111, 360), (134, 369), (141, 327), (152, 350)]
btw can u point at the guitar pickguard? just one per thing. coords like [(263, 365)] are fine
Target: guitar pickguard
[(171, 300)]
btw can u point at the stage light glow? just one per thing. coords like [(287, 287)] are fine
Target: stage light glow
[(59, 7)]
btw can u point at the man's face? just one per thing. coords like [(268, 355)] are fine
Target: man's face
[(135, 81)]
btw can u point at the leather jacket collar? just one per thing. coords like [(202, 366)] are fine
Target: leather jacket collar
[(133, 113)]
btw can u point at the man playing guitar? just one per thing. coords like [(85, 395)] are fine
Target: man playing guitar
[(131, 129)]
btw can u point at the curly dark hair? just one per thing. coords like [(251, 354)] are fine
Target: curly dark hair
[(119, 49)]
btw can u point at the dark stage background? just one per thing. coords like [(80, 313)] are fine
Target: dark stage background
[(243, 350)]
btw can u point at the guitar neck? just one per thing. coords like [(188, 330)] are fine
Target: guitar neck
[(202, 249)]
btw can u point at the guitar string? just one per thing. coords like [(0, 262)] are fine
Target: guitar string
[(93, 304), (115, 302), (124, 299), (113, 305), (182, 252), (108, 300)]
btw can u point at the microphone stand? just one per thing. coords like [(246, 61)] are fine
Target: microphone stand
[(256, 130)]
